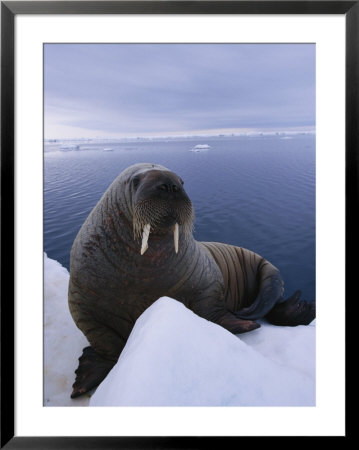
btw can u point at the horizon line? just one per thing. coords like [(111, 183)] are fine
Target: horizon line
[(199, 133)]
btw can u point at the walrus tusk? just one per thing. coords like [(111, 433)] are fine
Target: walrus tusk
[(145, 235), (175, 237)]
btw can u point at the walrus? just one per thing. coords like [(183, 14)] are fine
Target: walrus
[(137, 246)]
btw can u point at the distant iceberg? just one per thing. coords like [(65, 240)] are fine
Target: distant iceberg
[(200, 148), (67, 148)]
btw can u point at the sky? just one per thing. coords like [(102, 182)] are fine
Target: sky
[(131, 90)]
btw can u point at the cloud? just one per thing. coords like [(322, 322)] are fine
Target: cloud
[(149, 88)]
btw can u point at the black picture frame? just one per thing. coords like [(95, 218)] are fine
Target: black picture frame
[(9, 9)]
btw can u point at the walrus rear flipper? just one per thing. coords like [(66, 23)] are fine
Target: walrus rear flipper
[(292, 312), (236, 325), (270, 292), (252, 284), (92, 369)]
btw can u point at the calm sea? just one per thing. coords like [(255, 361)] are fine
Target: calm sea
[(254, 192)]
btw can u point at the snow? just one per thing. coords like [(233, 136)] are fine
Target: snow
[(63, 341), (175, 358)]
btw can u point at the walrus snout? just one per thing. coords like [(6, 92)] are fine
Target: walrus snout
[(161, 205), (170, 188), (161, 216), (164, 185)]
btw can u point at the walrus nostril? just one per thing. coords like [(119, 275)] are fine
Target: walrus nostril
[(168, 187)]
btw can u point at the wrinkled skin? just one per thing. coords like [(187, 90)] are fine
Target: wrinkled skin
[(111, 283)]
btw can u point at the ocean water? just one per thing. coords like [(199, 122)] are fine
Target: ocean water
[(256, 192)]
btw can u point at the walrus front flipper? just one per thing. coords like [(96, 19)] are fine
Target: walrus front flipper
[(292, 312), (92, 369), (236, 325)]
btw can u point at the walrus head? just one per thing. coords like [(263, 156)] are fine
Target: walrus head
[(160, 205)]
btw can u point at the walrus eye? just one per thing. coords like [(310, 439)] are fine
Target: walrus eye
[(163, 187), (136, 182)]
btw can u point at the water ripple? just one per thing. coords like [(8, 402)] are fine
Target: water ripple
[(255, 193)]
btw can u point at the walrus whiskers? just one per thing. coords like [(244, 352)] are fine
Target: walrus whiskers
[(148, 214), (146, 234)]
